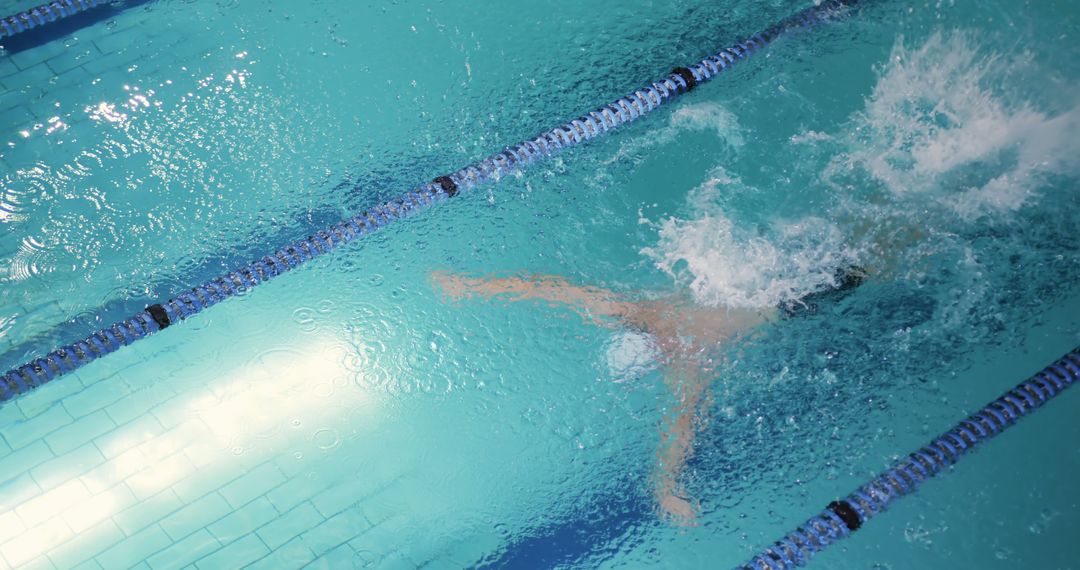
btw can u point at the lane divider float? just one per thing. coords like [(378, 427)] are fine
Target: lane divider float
[(593, 124), (844, 516)]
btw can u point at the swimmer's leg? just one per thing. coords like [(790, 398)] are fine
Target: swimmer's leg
[(687, 380), (587, 300)]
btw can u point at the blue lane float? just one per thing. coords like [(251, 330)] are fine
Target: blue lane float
[(844, 516), (44, 14), (593, 124)]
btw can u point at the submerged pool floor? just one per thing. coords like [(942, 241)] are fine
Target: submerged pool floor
[(349, 413)]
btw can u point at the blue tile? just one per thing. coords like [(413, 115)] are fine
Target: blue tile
[(297, 490), (380, 504), (115, 470), (335, 531), (121, 40), (195, 516), (129, 435), (36, 75), (10, 526), (5, 449), (139, 402), (67, 466), (17, 491), (135, 548), (72, 58), (340, 557), (35, 542), (340, 497), (10, 415), (243, 521), (148, 512), (89, 565), (85, 545), (50, 503), (20, 434), (293, 554), (7, 68), (43, 398), (79, 432), (382, 539), (185, 551), (235, 555), (37, 54), (22, 461), (118, 61), (256, 482), (203, 482), (95, 397), (160, 475), (70, 89), (41, 563), (470, 552), (290, 525), (85, 514)]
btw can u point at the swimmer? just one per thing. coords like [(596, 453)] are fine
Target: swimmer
[(686, 334)]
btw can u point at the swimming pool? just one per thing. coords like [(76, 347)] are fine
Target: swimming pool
[(346, 414)]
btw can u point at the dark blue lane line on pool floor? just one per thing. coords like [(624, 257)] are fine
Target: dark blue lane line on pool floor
[(568, 542)]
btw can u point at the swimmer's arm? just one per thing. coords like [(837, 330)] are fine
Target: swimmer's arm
[(589, 301)]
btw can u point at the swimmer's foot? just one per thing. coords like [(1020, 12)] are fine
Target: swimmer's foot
[(677, 510)]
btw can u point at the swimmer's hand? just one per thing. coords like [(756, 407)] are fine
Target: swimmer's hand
[(453, 285), (678, 510)]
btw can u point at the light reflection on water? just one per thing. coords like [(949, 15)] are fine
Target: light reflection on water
[(477, 414)]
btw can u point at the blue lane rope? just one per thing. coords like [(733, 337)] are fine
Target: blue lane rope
[(843, 517), (549, 143), (44, 14)]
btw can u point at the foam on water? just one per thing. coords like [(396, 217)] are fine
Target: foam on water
[(944, 140), (706, 116), (943, 124), (723, 263)]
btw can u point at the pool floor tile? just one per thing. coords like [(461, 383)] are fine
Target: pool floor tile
[(22, 433), (68, 466), (335, 531), (243, 521), (235, 555), (290, 525), (253, 484), (184, 552), (293, 554), (86, 544), (195, 516), (35, 542), (148, 512)]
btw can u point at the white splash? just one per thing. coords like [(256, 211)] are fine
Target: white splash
[(938, 124), (707, 116), (947, 136), (723, 264)]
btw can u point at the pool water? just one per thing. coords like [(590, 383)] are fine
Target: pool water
[(347, 414)]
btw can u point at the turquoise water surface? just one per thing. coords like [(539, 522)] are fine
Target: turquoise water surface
[(347, 414)]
